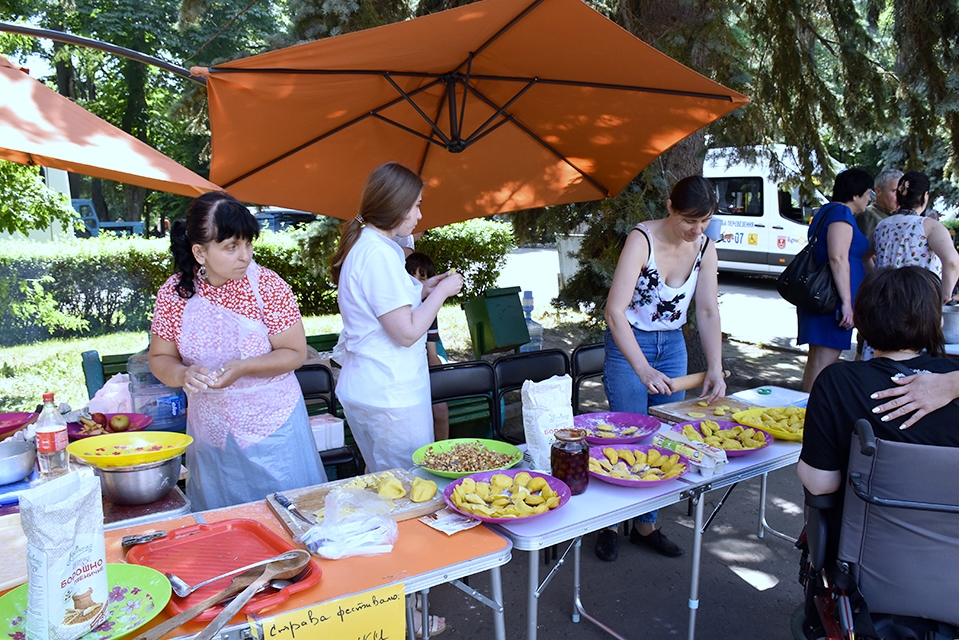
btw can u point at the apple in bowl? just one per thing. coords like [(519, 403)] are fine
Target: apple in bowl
[(119, 423)]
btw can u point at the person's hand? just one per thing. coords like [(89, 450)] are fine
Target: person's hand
[(918, 395), (845, 317), (450, 284), (430, 283), (656, 381), (227, 374), (197, 378), (714, 385)]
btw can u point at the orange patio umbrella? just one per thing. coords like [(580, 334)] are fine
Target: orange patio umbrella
[(39, 126), (499, 105)]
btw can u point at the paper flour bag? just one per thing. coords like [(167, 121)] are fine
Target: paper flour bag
[(546, 409), (66, 558)]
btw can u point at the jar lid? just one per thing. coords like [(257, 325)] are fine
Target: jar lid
[(570, 435)]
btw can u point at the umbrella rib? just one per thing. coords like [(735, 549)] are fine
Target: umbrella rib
[(500, 111), (407, 129), (509, 25), (545, 144), (416, 107), (553, 81), (319, 138)]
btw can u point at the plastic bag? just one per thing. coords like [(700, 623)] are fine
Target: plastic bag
[(113, 397), (356, 522), (546, 409)]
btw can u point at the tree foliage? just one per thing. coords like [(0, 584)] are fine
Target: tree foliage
[(25, 201)]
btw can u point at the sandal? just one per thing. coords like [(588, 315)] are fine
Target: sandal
[(437, 624)]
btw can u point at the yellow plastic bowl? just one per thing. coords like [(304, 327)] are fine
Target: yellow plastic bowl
[(129, 449)]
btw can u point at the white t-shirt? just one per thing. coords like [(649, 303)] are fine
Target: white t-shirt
[(373, 282)]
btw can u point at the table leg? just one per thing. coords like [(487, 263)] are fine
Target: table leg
[(410, 632), (499, 617), (763, 525), (762, 506), (532, 604), (697, 557), (577, 601), (578, 608)]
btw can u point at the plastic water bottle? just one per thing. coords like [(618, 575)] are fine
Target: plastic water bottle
[(535, 329), (51, 440)]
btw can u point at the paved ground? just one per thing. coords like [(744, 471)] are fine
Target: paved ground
[(748, 586)]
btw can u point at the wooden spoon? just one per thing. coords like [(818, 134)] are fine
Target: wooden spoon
[(277, 569), (238, 584)]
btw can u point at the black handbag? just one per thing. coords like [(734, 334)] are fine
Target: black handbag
[(808, 284)]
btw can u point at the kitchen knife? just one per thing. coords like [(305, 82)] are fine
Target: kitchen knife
[(289, 506)]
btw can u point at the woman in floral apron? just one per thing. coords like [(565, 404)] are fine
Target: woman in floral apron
[(229, 332)]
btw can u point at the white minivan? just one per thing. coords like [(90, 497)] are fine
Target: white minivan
[(764, 223)]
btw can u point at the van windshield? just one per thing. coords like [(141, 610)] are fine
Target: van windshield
[(739, 196)]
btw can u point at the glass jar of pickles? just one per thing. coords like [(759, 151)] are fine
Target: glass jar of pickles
[(569, 459)]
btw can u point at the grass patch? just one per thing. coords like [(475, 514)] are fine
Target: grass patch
[(28, 371)]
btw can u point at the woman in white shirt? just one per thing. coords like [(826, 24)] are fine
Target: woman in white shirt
[(384, 385)]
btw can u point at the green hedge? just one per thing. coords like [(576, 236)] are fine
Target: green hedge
[(76, 287)]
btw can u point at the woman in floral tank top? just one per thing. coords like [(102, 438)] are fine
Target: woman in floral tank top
[(664, 266), (907, 238)]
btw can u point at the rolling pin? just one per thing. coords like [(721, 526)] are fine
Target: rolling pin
[(693, 380)]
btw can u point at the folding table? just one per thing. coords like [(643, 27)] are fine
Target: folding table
[(605, 504), (422, 558)]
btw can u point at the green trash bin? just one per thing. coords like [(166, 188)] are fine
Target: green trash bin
[(496, 321)]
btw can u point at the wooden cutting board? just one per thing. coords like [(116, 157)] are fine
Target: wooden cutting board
[(310, 499), (13, 570), (679, 411)]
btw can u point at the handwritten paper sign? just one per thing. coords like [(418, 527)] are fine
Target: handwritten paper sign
[(371, 615)]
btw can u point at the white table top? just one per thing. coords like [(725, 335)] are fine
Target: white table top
[(604, 504)]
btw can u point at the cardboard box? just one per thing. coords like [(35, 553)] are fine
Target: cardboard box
[(706, 459), (327, 431)]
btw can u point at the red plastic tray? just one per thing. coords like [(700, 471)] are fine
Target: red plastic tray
[(199, 552)]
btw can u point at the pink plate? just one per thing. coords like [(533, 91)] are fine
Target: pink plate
[(560, 487), (645, 425), (138, 422), (10, 422), (597, 453), (730, 453)]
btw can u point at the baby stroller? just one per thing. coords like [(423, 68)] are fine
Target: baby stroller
[(885, 563)]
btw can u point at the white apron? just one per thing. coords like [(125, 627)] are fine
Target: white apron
[(252, 438)]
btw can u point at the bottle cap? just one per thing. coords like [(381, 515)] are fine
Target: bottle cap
[(48, 397)]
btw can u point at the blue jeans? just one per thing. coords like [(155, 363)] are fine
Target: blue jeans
[(666, 352)]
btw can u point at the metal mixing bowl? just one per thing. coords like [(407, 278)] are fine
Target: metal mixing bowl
[(139, 484), (16, 460), (950, 323)]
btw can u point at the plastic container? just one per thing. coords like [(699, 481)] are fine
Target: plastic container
[(534, 328), (166, 405), (52, 440), (496, 321), (569, 459)]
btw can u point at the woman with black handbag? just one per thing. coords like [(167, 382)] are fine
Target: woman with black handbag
[(840, 242)]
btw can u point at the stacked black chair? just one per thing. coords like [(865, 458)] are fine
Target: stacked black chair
[(587, 362), (316, 383), (512, 371), (460, 382)]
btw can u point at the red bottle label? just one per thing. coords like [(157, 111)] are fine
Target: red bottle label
[(52, 441)]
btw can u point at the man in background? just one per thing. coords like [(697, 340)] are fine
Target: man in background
[(884, 205)]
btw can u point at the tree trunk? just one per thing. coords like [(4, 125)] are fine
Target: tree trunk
[(99, 202), (651, 20)]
